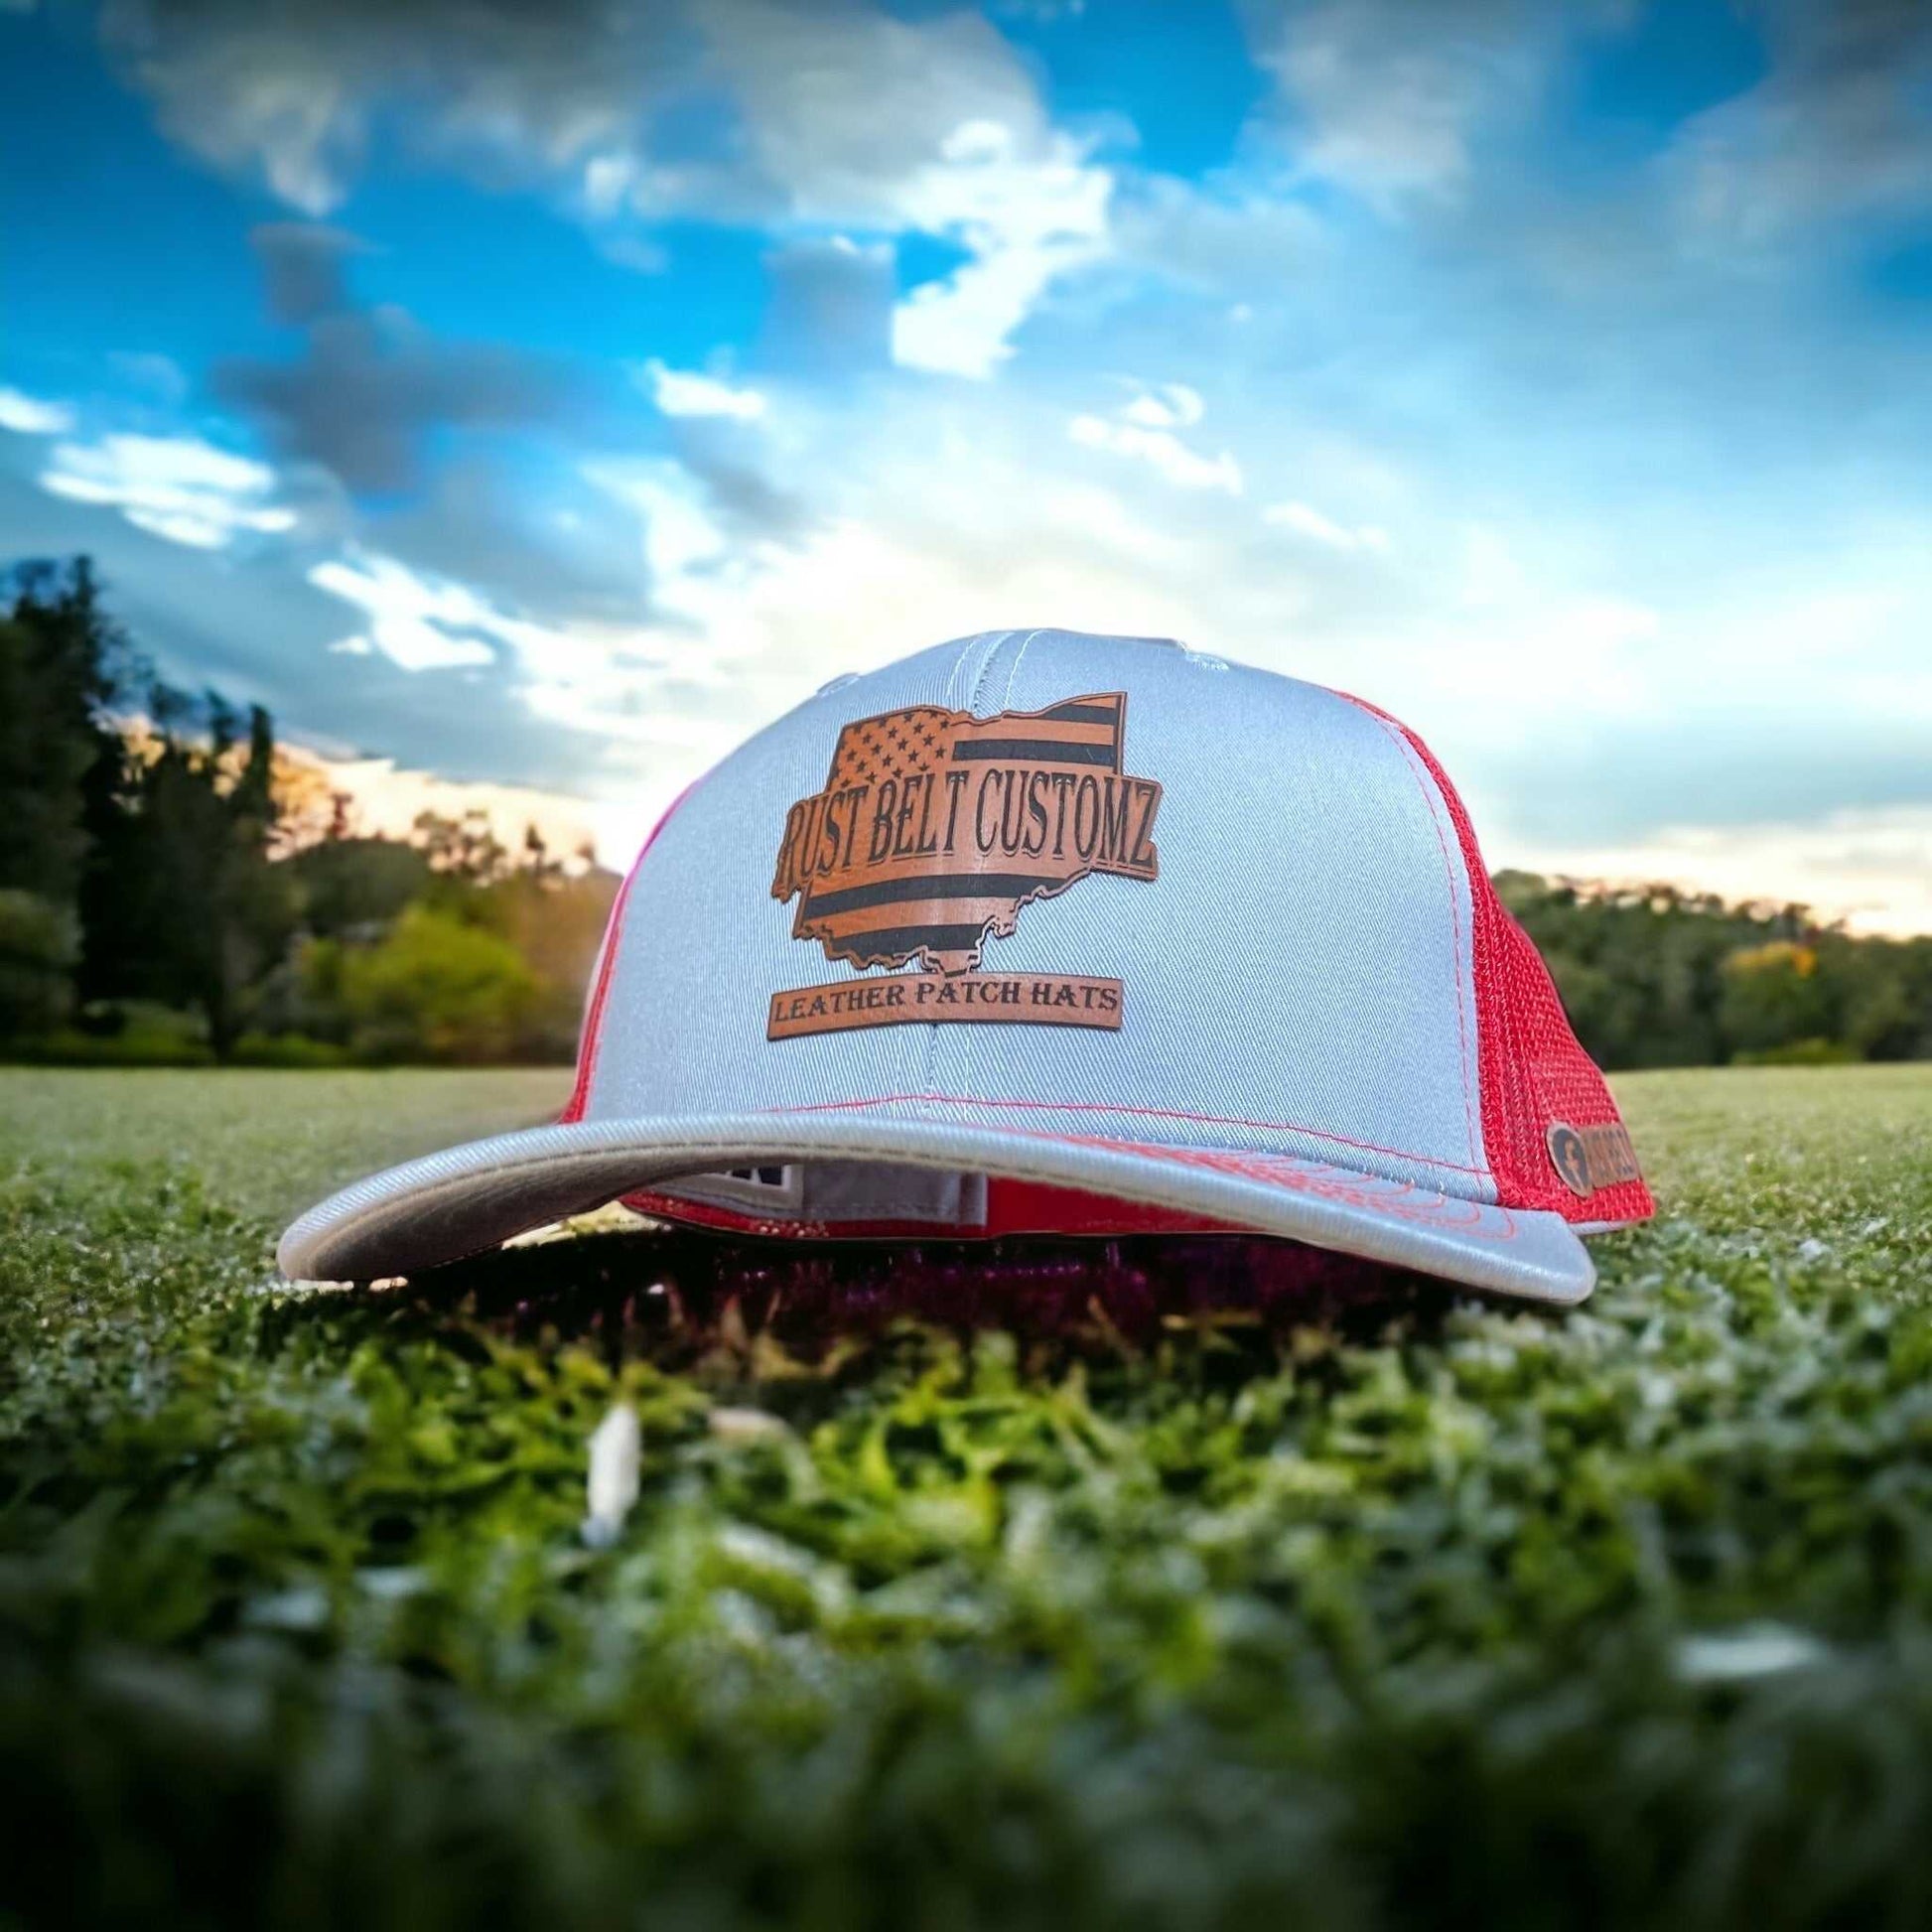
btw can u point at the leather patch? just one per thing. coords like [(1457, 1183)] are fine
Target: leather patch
[(1588, 1158), (933, 830), (915, 998)]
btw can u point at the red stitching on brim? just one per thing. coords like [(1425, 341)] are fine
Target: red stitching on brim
[(1398, 1200), (1137, 1113)]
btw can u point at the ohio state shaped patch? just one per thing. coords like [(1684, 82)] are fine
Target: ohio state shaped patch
[(935, 829)]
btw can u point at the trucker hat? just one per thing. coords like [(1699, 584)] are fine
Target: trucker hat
[(1038, 931)]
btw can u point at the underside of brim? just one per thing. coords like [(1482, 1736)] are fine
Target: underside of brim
[(470, 1198)]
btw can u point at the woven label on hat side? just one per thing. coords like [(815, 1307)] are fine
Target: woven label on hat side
[(1589, 1157)]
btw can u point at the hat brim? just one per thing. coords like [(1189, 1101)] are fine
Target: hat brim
[(473, 1197)]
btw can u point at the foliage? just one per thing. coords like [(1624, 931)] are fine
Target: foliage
[(1427, 1613), (523, 924), (157, 847), (134, 1034), (352, 887), (436, 988), (223, 881), (60, 660), (1663, 978), (1773, 995), (192, 909), (288, 1050), (40, 941), (555, 923), (155, 837), (1799, 1052)]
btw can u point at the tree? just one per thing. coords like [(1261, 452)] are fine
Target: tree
[(1882, 994), (555, 922), (183, 903), (1643, 972), (1774, 996), (61, 659), (465, 849), (39, 943), (434, 989), (354, 888)]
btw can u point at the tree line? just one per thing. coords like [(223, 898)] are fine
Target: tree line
[(1658, 977), (170, 890), (173, 888)]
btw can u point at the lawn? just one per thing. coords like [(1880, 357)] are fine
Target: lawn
[(1384, 1607)]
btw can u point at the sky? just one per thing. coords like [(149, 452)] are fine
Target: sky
[(551, 396)]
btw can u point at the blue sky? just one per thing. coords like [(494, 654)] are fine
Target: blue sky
[(552, 396)]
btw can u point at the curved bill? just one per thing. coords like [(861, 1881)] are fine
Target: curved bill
[(473, 1197)]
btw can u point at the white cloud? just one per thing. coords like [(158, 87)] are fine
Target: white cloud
[(1172, 405), (1544, 650), (1160, 448), (685, 392), (177, 488), (1491, 574), (1226, 238), (1386, 97), (29, 415), (1838, 127), (424, 623), (1308, 521), (959, 513), (684, 547), (1083, 512), (626, 685), (954, 140), (1028, 216), (1628, 461), (846, 118), (416, 623)]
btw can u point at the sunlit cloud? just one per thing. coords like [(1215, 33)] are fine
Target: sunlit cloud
[(1349, 384), (686, 392), (1172, 405), (415, 624), (1867, 867), (953, 139), (1308, 521), (1027, 217), (1161, 448), (386, 800), (29, 415), (1385, 98), (177, 488)]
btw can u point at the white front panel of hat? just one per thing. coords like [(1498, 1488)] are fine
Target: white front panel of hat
[(1296, 978)]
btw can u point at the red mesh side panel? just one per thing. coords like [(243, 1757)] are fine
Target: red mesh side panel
[(1533, 1072)]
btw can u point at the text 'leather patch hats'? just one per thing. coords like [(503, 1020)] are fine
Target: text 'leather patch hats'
[(1041, 932)]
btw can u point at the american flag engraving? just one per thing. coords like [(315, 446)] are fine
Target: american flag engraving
[(934, 828)]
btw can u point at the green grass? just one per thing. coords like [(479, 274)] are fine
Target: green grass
[(1434, 1612)]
